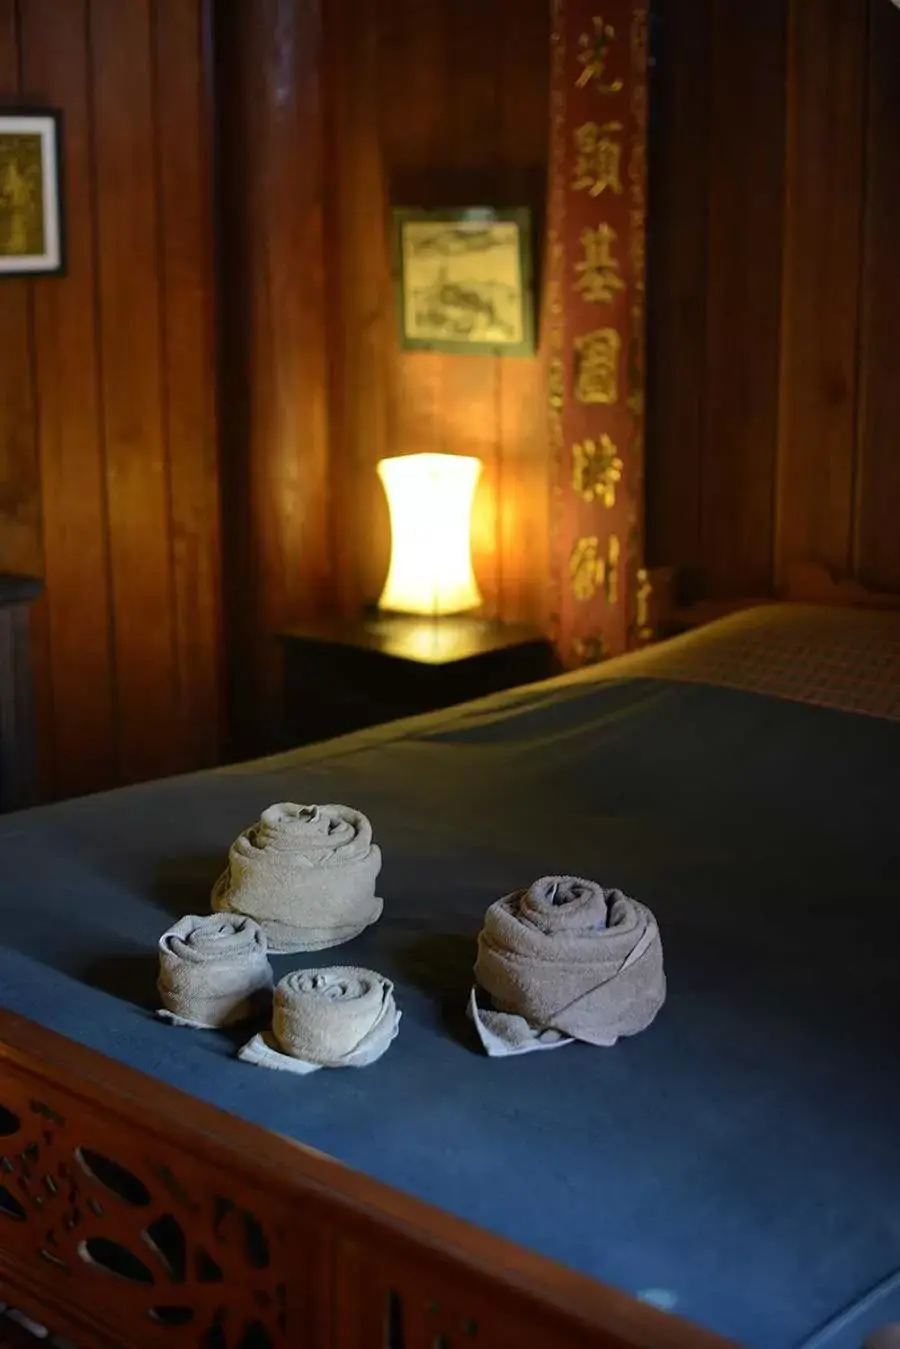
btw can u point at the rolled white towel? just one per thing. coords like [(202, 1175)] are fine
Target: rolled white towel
[(306, 874), (213, 970), (334, 1018), (566, 960)]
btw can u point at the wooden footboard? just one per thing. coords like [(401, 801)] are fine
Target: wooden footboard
[(132, 1215)]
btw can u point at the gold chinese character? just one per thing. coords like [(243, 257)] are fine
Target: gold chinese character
[(612, 569), (586, 569), (638, 248), (597, 366), (599, 158), (599, 275), (589, 572), (644, 596), (596, 470), (556, 383), (593, 49)]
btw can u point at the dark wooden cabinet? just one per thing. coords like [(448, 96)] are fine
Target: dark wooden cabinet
[(18, 757), (340, 677)]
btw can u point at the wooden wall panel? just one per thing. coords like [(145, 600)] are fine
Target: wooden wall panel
[(821, 291), (107, 429), (80, 720), (523, 487), (187, 241), (773, 410), (467, 152), (360, 320), (878, 477), (774, 415), (441, 104), (132, 380), (744, 234), (275, 364), (678, 188), (20, 508)]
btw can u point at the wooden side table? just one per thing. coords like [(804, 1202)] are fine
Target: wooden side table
[(343, 676), (18, 754)]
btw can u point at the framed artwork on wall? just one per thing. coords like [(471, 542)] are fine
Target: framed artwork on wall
[(31, 229), (464, 280)]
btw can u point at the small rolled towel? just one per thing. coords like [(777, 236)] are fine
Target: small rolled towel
[(337, 1018), (566, 960), (306, 874), (213, 970)]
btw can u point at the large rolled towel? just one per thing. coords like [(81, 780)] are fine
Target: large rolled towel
[(566, 960), (306, 874), (337, 1018), (213, 970)]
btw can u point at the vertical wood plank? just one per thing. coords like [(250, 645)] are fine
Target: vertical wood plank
[(132, 384), (183, 117), (878, 480), (747, 122), (360, 301), (820, 300), (469, 156), (678, 189), (522, 69), (274, 378), (76, 603), (414, 75), (469, 425), (20, 511), (493, 151)]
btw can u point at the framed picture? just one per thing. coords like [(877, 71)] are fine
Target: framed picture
[(464, 281), (31, 240)]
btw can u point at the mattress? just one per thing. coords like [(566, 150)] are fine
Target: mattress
[(739, 1162)]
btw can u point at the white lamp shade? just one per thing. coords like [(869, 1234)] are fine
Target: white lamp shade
[(430, 500)]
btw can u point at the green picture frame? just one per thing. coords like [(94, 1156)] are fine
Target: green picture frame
[(464, 280)]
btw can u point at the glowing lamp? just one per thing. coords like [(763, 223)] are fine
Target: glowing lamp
[(430, 500)]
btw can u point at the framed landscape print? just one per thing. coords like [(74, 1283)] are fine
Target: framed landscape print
[(464, 280), (31, 242)]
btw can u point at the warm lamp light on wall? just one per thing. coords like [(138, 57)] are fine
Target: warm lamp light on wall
[(430, 498)]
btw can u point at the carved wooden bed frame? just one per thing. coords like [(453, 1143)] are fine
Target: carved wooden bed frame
[(133, 1215)]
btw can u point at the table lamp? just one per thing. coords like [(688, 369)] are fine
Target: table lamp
[(430, 499)]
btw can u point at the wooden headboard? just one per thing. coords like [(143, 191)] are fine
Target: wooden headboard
[(804, 583), (811, 583)]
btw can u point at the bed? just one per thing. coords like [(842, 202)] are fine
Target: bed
[(732, 1175)]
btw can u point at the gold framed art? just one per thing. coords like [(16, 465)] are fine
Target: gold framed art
[(464, 280), (31, 226)]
